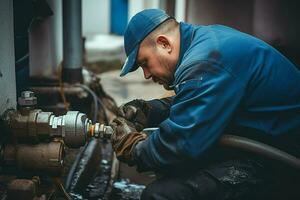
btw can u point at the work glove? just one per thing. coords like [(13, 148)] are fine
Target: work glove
[(136, 111), (124, 139)]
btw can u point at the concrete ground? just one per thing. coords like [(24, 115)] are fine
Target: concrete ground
[(132, 86), (104, 48)]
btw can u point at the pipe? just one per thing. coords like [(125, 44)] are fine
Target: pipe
[(259, 148), (53, 90), (72, 37), (25, 189), (96, 109), (32, 126), (44, 157)]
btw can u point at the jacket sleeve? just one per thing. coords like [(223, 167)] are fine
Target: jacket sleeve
[(160, 110), (200, 111)]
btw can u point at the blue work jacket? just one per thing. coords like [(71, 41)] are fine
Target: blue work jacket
[(224, 79)]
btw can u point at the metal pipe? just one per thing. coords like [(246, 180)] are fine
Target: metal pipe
[(72, 37), (53, 90), (44, 157), (37, 126), (25, 189)]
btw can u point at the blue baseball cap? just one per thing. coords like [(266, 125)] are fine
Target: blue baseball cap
[(140, 25)]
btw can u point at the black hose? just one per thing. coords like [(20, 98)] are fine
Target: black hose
[(86, 88), (103, 108), (97, 102), (259, 148), (73, 167)]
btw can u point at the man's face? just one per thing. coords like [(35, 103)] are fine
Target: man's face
[(158, 62)]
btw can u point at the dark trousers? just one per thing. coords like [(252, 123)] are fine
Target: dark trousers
[(239, 178)]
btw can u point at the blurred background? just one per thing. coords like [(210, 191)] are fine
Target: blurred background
[(68, 54)]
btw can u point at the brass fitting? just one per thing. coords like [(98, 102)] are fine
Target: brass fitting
[(100, 131), (38, 126), (44, 157)]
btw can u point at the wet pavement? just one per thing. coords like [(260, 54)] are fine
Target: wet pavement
[(124, 190)]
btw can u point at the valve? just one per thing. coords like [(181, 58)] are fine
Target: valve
[(38, 126), (30, 125)]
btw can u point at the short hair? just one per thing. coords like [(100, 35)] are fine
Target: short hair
[(168, 27)]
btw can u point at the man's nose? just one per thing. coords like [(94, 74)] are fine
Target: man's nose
[(147, 74)]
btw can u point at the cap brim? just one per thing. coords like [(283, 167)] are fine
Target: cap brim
[(129, 64)]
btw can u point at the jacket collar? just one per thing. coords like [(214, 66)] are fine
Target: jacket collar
[(186, 37)]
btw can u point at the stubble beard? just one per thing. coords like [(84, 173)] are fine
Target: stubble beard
[(167, 65)]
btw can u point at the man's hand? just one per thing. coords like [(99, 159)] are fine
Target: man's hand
[(136, 111), (124, 139)]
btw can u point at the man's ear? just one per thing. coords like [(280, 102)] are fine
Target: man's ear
[(164, 42)]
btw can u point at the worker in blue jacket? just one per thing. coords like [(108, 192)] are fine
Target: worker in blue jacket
[(225, 81)]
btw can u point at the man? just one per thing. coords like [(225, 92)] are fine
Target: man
[(225, 82)]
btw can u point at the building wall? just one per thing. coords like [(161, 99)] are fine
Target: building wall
[(175, 8), (276, 22), (7, 56), (137, 6), (95, 17), (235, 13)]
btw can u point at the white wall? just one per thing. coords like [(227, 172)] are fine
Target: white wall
[(7, 54), (180, 6), (136, 6), (95, 17)]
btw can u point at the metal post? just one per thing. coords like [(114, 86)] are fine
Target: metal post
[(72, 41)]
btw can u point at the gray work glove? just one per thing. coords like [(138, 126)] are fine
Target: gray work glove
[(124, 139), (136, 111)]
